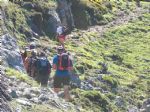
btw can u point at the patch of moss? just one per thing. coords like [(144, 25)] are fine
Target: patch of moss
[(34, 108), (91, 100), (21, 76), (110, 80)]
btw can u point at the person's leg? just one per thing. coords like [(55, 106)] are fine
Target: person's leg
[(66, 93), (57, 84), (62, 42), (66, 82), (44, 80)]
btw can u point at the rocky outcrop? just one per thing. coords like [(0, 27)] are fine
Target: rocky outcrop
[(4, 96), (50, 22), (9, 51), (146, 106), (65, 13), (10, 54)]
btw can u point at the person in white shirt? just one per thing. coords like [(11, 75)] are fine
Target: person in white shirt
[(61, 34)]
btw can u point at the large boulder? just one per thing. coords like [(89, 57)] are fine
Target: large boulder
[(10, 54), (50, 21), (65, 13), (37, 21)]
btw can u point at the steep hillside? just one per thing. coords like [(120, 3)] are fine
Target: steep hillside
[(117, 64), (109, 43)]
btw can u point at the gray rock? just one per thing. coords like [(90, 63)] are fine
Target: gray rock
[(99, 77), (18, 109), (65, 13), (23, 85), (75, 82), (9, 51), (142, 110), (35, 90), (119, 101), (35, 100), (19, 93), (133, 109), (146, 102), (28, 5), (43, 97), (13, 94), (55, 104), (24, 102), (148, 108), (27, 93), (61, 94), (13, 78)]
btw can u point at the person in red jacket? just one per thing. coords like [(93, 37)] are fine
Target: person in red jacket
[(61, 34)]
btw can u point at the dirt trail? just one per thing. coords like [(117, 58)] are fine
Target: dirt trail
[(122, 18)]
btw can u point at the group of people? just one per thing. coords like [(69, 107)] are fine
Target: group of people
[(38, 66)]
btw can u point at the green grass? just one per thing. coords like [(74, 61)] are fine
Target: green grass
[(33, 108), (125, 49), (22, 77)]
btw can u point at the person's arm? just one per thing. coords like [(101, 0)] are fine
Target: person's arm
[(26, 63), (71, 66), (49, 68), (55, 63), (54, 66)]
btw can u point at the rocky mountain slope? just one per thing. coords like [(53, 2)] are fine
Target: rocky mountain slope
[(109, 45)]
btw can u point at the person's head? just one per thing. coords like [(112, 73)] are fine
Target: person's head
[(33, 53), (28, 52), (60, 49), (32, 45), (26, 48), (42, 54)]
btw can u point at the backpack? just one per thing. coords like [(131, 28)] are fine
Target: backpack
[(64, 62), (42, 65)]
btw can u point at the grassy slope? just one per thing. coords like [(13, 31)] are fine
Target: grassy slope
[(125, 49)]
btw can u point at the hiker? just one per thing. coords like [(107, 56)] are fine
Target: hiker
[(61, 34), (29, 63), (32, 45), (26, 60), (63, 65), (43, 69), (24, 53)]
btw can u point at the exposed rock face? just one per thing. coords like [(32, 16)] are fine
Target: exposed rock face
[(10, 54), (146, 106), (65, 13), (79, 15), (50, 21), (4, 96)]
